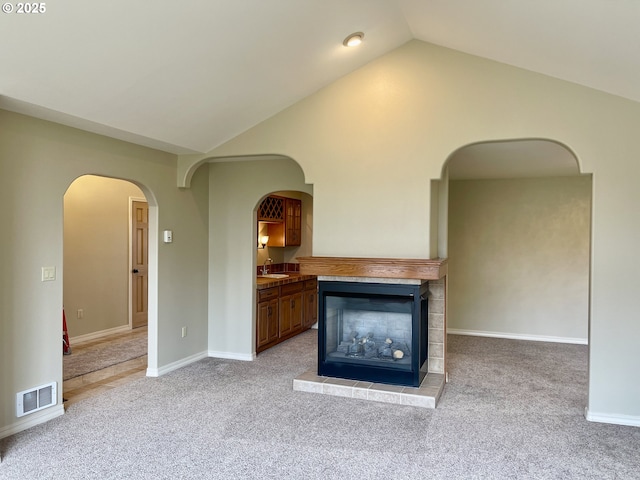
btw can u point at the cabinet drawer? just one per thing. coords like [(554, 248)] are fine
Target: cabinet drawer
[(290, 288), (311, 285), (267, 294)]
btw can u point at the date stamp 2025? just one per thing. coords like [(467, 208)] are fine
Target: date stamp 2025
[(24, 8)]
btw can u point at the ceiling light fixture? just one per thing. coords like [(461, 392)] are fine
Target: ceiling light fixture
[(353, 39)]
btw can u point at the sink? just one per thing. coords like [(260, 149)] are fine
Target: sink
[(274, 275)]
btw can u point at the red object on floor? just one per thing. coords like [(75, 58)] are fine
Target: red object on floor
[(66, 346)]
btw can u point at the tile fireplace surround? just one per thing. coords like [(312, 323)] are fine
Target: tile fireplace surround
[(394, 271)]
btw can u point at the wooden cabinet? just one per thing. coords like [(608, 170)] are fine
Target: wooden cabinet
[(293, 222), (283, 217), (285, 311), (267, 322), (271, 209), (310, 315), (291, 309)]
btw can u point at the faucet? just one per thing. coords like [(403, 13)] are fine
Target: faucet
[(265, 271)]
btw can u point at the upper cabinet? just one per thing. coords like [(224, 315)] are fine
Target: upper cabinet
[(293, 222), (283, 217)]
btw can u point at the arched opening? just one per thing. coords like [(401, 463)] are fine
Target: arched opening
[(284, 231), (236, 188), (518, 237), (106, 288)]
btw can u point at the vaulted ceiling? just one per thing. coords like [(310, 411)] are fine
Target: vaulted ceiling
[(187, 76)]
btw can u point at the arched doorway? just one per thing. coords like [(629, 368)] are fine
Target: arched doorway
[(235, 190), (284, 231), (518, 239), (106, 226), (519, 212)]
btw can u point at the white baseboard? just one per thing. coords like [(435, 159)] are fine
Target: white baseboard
[(518, 336), (628, 420), (95, 335), (157, 372), (31, 421), (245, 357)]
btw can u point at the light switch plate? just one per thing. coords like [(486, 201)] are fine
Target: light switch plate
[(48, 274)]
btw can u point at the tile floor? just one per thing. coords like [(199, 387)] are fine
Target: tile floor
[(86, 386), (426, 396)]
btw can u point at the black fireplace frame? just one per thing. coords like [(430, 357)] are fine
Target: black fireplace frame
[(417, 294)]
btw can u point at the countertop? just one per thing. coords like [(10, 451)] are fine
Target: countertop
[(276, 282)]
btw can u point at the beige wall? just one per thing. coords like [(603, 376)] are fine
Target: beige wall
[(96, 253), (39, 160), (371, 143), (519, 257)]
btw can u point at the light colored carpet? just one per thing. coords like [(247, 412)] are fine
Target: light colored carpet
[(95, 355), (512, 410)]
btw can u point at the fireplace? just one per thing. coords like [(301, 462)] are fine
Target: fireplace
[(375, 332), (367, 306)]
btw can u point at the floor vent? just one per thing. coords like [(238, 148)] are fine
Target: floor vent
[(29, 401)]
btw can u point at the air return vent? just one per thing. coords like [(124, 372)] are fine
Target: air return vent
[(29, 401)]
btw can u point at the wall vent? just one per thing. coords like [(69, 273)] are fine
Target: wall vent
[(34, 399)]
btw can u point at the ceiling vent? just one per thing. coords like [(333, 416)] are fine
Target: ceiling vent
[(29, 401)]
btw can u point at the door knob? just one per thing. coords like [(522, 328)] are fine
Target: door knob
[(135, 270)]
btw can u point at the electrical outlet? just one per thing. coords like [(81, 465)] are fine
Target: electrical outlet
[(184, 332), (80, 314)]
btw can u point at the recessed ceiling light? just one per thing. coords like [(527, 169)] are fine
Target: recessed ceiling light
[(353, 39)]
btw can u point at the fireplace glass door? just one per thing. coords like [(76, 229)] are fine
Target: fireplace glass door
[(372, 332)]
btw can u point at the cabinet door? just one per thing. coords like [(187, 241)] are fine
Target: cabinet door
[(267, 324), (274, 321), (262, 328), (290, 314), (297, 304), (310, 307), (293, 222), (285, 316)]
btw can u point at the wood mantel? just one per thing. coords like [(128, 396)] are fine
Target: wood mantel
[(419, 269)]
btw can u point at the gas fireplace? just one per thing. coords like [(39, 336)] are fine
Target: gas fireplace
[(375, 332)]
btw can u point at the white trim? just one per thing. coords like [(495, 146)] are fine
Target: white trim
[(157, 372), (95, 335), (152, 292), (32, 421), (628, 420), (245, 357), (518, 336)]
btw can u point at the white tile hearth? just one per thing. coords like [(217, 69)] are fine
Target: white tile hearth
[(426, 396)]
